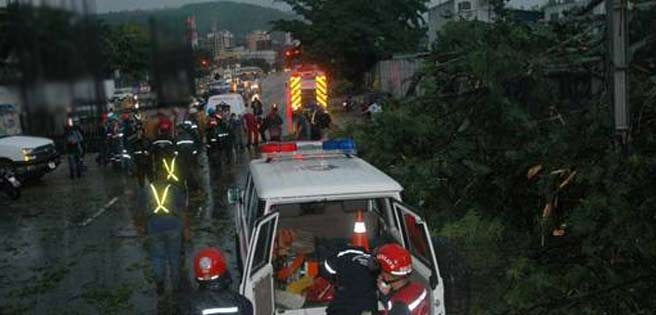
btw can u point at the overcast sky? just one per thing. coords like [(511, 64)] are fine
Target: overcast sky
[(120, 5)]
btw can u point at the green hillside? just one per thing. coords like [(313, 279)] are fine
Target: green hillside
[(239, 18)]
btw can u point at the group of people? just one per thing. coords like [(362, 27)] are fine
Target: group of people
[(309, 122), (364, 279), (257, 124), (166, 225)]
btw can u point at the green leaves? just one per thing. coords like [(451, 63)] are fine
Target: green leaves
[(349, 36), (494, 107)]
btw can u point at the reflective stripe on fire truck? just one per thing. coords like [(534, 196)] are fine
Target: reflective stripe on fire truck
[(295, 92), (322, 90)]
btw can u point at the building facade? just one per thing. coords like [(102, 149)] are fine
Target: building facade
[(258, 40), (449, 10), (218, 41)]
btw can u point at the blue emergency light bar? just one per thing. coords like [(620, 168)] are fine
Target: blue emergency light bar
[(344, 145)]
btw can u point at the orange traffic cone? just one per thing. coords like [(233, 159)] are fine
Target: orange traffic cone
[(359, 237)]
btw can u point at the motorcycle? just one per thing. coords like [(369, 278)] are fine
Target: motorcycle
[(9, 184)]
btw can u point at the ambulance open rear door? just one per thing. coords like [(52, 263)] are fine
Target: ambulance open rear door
[(257, 279)]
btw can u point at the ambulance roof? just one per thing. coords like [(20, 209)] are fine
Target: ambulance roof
[(318, 176)]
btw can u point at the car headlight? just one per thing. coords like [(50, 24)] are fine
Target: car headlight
[(28, 154)]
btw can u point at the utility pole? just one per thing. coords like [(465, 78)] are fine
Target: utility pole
[(618, 37)]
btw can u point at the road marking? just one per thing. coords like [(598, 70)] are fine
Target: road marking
[(101, 211)]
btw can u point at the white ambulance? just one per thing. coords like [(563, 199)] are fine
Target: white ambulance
[(314, 189)]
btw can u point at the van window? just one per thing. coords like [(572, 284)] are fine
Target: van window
[(416, 239), (379, 206), (263, 247), (254, 206), (255, 210)]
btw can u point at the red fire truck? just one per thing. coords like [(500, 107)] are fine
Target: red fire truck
[(307, 85)]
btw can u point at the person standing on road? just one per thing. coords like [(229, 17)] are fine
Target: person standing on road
[(301, 126), (74, 149), (258, 107), (164, 228), (398, 294), (356, 282), (187, 145), (214, 295), (141, 155), (237, 126), (252, 134), (273, 123)]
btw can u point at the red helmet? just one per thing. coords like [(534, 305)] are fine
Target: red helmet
[(209, 264), (394, 259), (165, 124)]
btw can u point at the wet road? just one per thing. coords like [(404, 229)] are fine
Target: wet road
[(71, 247), (273, 91)]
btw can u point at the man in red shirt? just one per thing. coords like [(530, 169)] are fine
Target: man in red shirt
[(250, 124)]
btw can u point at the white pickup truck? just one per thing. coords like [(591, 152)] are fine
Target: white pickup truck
[(29, 157)]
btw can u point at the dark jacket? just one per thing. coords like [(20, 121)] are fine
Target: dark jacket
[(217, 295), (169, 216), (186, 142), (140, 150), (356, 282), (73, 138)]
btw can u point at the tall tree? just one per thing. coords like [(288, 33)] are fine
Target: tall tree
[(510, 151), (349, 36)]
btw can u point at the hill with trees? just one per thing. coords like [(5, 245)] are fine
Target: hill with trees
[(239, 18)]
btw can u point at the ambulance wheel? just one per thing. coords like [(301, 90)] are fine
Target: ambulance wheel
[(456, 276)]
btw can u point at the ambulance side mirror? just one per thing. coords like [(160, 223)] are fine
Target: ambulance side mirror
[(234, 195)]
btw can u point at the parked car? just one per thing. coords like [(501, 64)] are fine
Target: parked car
[(28, 157)]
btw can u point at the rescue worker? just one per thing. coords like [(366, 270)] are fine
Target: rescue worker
[(252, 134), (225, 132), (258, 107), (164, 227), (192, 119), (301, 126), (398, 294), (163, 147), (273, 123), (350, 270), (187, 145), (141, 157), (165, 126), (214, 295), (237, 125), (319, 120)]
